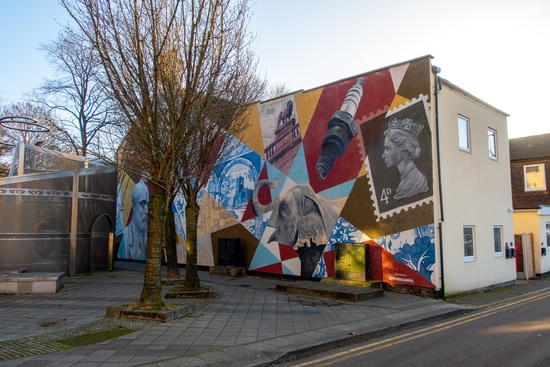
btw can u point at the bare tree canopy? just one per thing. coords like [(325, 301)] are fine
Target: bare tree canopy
[(278, 90), (53, 139), (183, 73), (78, 96), (25, 132)]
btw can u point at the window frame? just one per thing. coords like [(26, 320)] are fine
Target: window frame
[(494, 141), (467, 257), (461, 135), (499, 239), (542, 170)]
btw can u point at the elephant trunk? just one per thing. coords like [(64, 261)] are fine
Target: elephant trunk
[(258, 207)]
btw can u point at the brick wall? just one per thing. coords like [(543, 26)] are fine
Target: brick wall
[(532, 199)]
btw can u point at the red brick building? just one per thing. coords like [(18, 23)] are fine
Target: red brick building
[(530, 173)]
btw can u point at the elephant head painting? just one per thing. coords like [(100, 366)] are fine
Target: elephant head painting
[(302, 219)]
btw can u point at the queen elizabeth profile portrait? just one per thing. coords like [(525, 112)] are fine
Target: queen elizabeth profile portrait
[(401, 148)]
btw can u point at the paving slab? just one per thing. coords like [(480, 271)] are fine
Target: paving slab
[(249, 323)]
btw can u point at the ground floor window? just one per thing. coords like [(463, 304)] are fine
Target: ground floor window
[(497, 236), (469, 244)]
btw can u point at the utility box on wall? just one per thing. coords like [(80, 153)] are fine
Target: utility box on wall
[(228, 251), (351, 261)]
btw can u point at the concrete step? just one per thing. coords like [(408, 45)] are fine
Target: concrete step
[(334, 289), (14, 283)]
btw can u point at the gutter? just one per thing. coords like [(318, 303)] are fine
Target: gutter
[(436, 71)]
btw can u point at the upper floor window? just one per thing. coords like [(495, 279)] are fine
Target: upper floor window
[(535, 178), (463, 133), (492, 135)]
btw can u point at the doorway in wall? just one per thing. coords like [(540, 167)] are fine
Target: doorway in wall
[(525, 261)]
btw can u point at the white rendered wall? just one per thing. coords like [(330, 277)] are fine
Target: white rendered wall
[(476, 191)]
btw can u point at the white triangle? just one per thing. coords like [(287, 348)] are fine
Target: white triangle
[(397, 75)]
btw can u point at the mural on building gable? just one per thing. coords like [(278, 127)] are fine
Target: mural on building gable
[(348, 162)]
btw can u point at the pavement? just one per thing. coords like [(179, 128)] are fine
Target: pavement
[(248, 323)]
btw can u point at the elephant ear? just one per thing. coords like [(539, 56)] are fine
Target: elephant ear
[(326, 211), (310, 204), (311, 229)]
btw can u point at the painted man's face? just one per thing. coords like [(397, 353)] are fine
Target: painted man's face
[(141, 208), (392, 156)]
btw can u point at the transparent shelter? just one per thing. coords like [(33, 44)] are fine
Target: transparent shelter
[(57, 212)]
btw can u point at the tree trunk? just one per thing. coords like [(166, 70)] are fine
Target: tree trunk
[(170, 243), (151, 295), (192, 282)]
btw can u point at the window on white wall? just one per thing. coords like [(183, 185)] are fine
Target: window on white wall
[(547, 234), (535, 178), (492, 135), (469, 243), (497, 237), (463, 133)]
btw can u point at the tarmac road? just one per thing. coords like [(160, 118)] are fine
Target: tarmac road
[(514, 333)]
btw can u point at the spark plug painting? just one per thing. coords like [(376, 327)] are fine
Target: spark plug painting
[(341, 129)]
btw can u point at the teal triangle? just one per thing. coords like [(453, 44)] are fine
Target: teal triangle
[(286, 270), (298, 171), (274, 174), (262, 257), (339, 191)]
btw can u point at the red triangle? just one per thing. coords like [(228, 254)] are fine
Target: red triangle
[(382, 262), (286, 252), (264, 196), (276, 268)]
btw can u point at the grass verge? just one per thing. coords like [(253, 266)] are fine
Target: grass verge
[(86, 339)]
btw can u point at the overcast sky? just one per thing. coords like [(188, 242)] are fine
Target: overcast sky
[(498, 50)]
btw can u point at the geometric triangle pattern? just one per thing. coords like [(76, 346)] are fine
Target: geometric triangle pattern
[(262, 257), (311, 168), (291, 267)]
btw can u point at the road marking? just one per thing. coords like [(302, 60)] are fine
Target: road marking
[(390, 342)]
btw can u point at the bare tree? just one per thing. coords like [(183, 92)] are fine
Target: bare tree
[(26, 133), (43, 132), (5, 148), (183, 73), (78, 96), (278, 90)]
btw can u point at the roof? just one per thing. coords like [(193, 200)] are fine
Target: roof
[(469, 95), (529, 147)]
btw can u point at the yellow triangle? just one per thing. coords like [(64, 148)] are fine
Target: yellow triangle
[(363, 171), (250, 135), (306, 103), (398, 101)]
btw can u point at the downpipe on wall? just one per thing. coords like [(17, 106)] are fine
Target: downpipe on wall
[(436, 70)]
